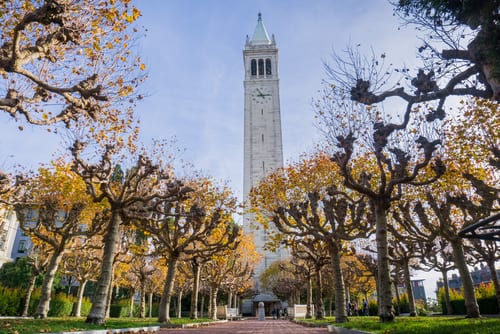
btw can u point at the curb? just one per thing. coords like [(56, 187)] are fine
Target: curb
[(139, 330), (341, 330), (194, 324)]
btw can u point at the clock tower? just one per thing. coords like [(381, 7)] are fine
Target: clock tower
[(263, 150)]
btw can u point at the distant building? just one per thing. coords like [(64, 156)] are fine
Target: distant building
[(8, 230), (480, 275), (418, 289)]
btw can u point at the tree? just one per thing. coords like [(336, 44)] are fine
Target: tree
[(224, 266), (315, 252), (305, 200), (358, 278), (178, 227), (285, 279), (66, 61), (62, 211), (376, 158), (82, 264), (487, 251), (144, 182), (446, 20), (239, 277), (440, 257)]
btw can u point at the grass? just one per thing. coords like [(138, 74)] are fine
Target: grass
[(419, 325), (50, 325)]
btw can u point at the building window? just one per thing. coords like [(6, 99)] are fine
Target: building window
[(253, 67), (261, 66), (262, 111), (268, 66), (262, 138), (263, 168), (22, 246)]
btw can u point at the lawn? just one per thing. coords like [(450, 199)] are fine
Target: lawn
[(50, 325), (420, 325)]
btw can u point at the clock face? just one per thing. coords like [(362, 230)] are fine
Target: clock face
[(261, 95)]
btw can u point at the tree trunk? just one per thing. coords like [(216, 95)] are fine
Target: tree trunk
[(229, 297), (109, 299), (449, 307), (196, 289), (179, 305), (97, 313), (309, 297), (319, 296), (48, 280), (131, 308), (164, 312), (409, 289), (142, 308), (494, 277), (471, 307), (386, 310), (77, 307), (150, 311), (209, 310), (330, 308), (338, 283), (202, 306), (213, 302), (70, 281), (29, 291), (398, 298)]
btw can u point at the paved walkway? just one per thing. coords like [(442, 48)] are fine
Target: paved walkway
[(250, 326)]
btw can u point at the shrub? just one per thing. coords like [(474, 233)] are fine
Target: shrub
[(86, 306), (121, 309), (372, 307), (404, 304), (60, 306), (486, 299), (10, 301)]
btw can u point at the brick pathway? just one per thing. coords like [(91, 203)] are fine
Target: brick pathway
[(250, 326)]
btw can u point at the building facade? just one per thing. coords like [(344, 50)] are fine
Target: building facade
[(263, 150), (8, 234), (480, 275)]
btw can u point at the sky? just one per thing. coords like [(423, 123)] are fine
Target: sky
[(193, 50)]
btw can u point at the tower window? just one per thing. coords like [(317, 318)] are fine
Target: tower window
[(268, 66), (263, 138), (253, 67), (262, 112), (263, 168), (261, 66)]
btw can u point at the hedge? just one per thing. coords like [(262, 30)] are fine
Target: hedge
[(10, 301)]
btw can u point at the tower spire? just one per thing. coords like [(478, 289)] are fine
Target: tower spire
[(260, 35)]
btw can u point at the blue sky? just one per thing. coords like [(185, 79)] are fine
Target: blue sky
[(193, 53)]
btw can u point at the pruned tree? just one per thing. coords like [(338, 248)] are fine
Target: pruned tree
[(82, 263), (144, 182), (376, 159), (440, 257), (469, 35), (54, 209), (487, 251), (224, 266), (315, 252), (67, 61), (306, 200), (285, 280), (177, 228), (439, 214)]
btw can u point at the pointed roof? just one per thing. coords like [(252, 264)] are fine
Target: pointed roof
[(260, 35)]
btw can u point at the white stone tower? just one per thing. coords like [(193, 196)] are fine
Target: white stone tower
[(263, 150)]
